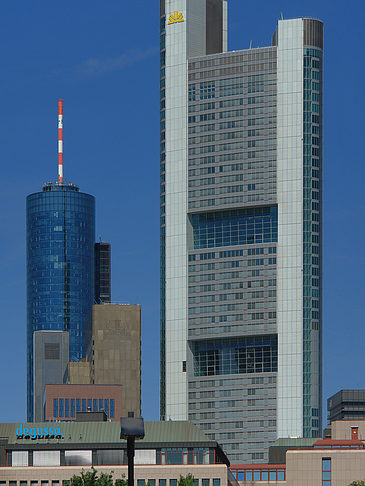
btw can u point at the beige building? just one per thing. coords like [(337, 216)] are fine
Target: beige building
[(336, 461), (113, 348)]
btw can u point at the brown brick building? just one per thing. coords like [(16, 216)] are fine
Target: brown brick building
[(62, 402)]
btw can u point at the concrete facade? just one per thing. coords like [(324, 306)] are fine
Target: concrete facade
[(78, 373), (51, 356), (114, 351), (212, 475)]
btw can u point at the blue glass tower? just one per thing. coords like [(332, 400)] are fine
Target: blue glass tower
[(60, 268)]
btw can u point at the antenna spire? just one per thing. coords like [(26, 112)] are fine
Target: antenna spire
[(60, 141)]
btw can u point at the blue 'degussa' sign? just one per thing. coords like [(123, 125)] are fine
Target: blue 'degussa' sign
[(23, 432)]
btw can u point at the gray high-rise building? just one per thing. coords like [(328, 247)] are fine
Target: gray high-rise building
[(241, 229), (51, 356)]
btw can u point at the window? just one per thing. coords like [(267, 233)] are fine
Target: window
[(55, 408), (107, 408), (216, 482), (152, 482), (326, 471), (95, 405), (162, 482), (52, 351), (140, 482), (72, 407), (173, 482), (101, 405), (67, 407), (255, 354), (235, 227), (112, 405), (61, 407), (84, 404), (205, 482), (89, 404)]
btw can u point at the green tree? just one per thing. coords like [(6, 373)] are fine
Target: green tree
[(91, 478), (357, 483), (188, 480)]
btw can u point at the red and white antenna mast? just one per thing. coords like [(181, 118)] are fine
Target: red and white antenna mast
[(60, 141)]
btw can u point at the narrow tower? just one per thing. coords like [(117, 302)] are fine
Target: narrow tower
[(60, 265)]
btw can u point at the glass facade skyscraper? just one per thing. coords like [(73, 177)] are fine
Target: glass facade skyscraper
[(60, 268), (241, 229)]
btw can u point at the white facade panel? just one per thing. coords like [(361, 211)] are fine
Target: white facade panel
[(19, 458), (290, 229), (176, 195), (78, 458), (225, 26), (178, 49), (46, 458), (145, 456)]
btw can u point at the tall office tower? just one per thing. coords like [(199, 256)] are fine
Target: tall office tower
[(241, 217), (60, 267), (103, 286)]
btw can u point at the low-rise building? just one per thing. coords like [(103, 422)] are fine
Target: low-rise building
[(334, 461), (48, 454)]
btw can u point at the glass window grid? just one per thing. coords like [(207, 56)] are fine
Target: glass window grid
[(66, 407), (256, 354), (238, 227), (260, 474), (312, 65)]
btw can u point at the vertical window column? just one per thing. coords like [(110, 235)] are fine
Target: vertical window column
[(326, 471)]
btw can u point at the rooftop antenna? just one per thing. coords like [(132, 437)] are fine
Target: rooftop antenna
[(60, 141), (251, 44), (281, 14)]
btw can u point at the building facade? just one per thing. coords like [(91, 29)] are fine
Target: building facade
[(113, 342), (60, 268), (48, 454), (103, 273), (241, 223), (63, 402), (346, 405), (51, 357)]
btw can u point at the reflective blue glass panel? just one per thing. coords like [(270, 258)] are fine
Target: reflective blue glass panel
[(60, 267)]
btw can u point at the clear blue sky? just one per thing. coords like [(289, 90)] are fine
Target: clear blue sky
[(101, 57)]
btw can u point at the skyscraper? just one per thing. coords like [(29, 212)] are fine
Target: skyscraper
[(241, 229), (60, 266)]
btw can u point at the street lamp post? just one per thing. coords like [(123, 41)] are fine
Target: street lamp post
[(131, 429)]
